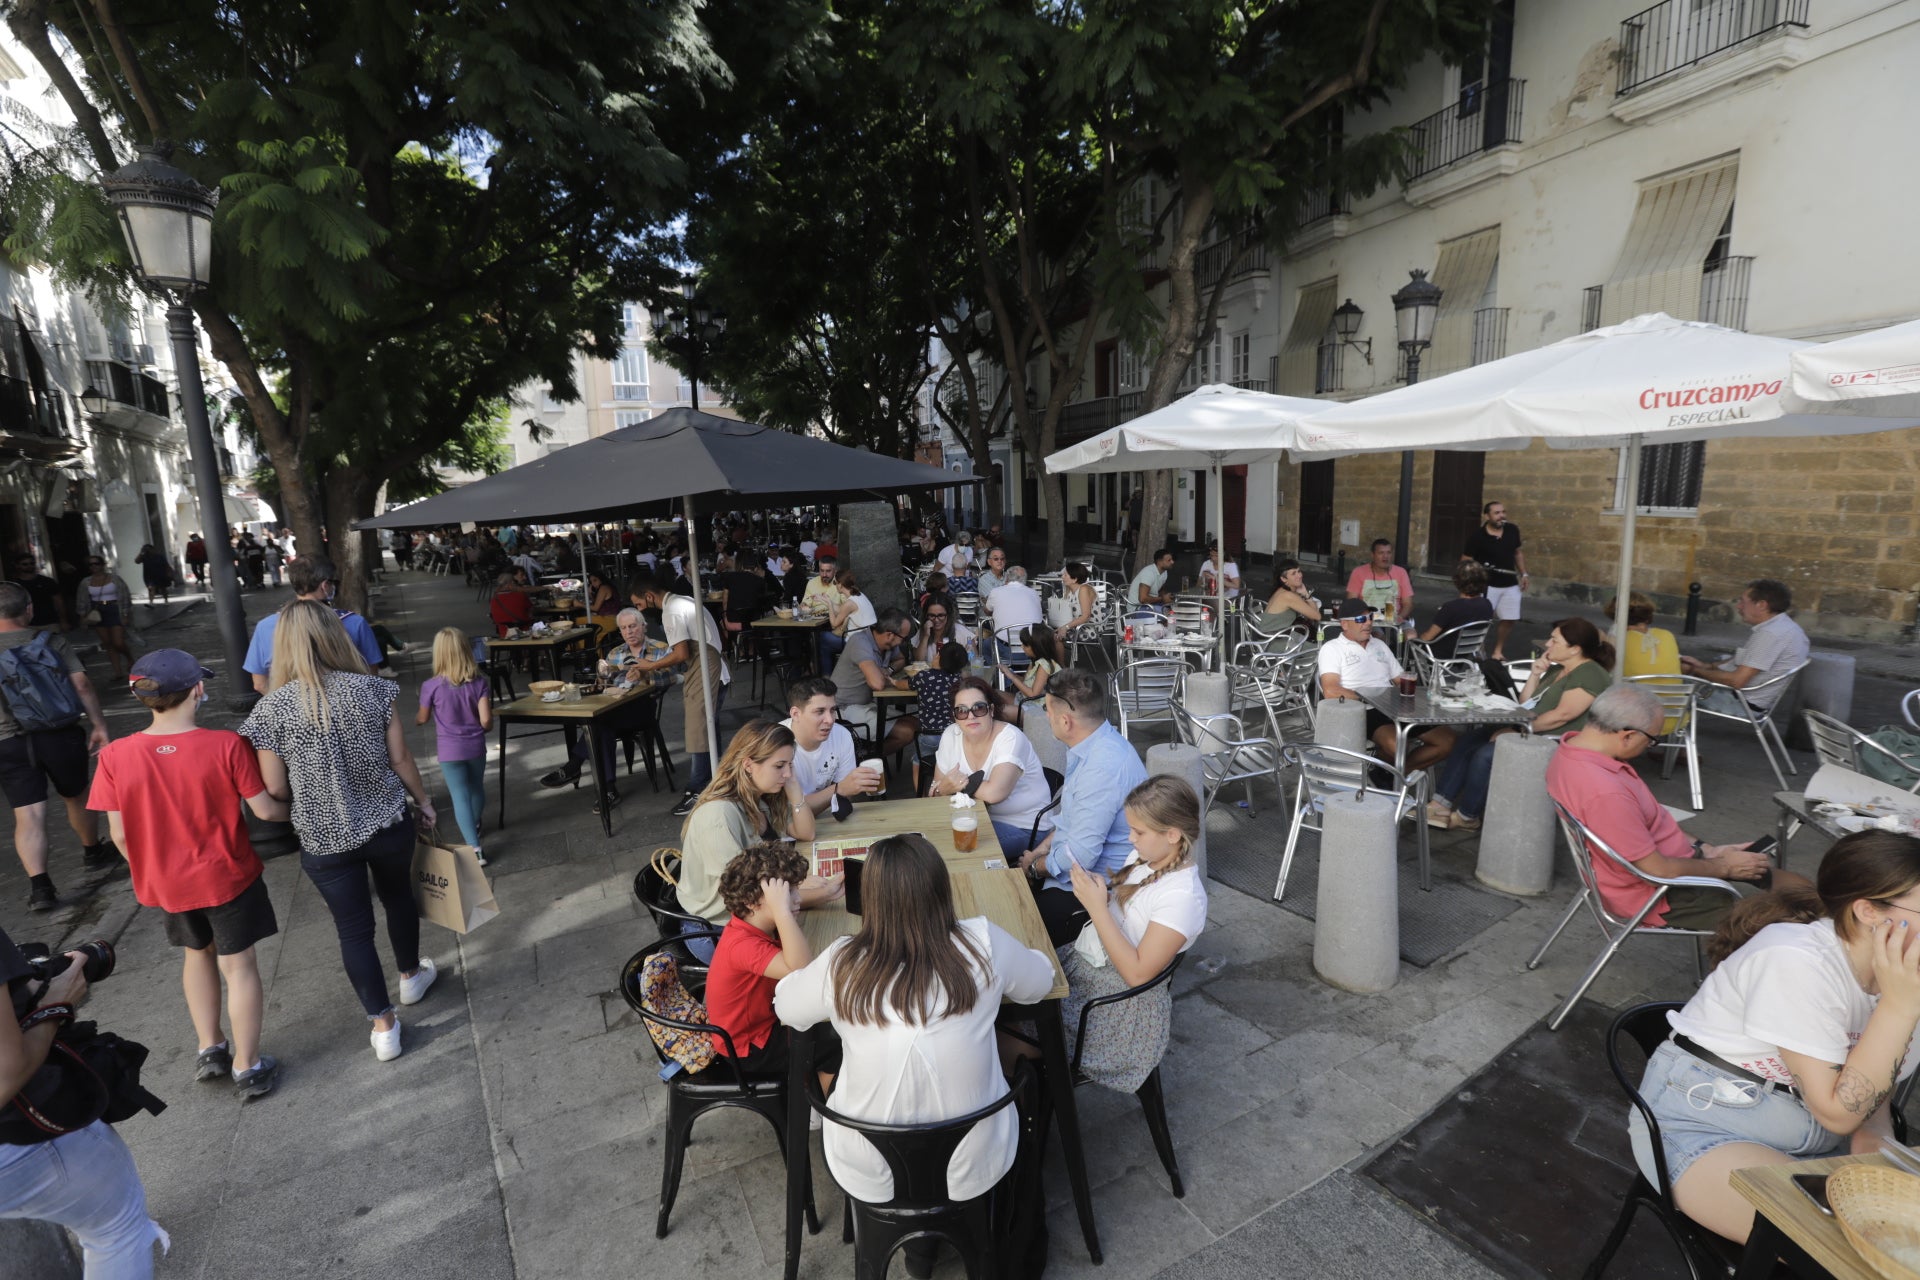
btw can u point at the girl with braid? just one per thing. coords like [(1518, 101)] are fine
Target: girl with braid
[(1150, 911), (1792, 1046)]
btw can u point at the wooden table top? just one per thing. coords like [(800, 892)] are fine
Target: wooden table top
[(1001, 895), (1769, 1188), (904, 695), (553, 636), (805, 624), (534, 707)]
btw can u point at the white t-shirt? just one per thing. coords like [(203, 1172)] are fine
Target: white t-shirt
[(1177, 900), (1153, 578), (1370, 668), (824, 766), (947, 554), (1014, 606), (808, 547), (901, 1072), (1233, 578), (1009, 746), (677, 618), (1789, 987)]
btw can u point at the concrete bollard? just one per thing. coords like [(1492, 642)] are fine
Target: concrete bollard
[(1826, 685), (1177, 759), (39, 1249), (1207, 693), (1356, 922), (1341, 724), (870, 542), (1517, 840), (1039, 731)]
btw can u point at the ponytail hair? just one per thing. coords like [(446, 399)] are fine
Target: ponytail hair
[(1586, 637), (1867, 866)]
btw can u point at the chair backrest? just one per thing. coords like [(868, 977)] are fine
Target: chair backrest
[(967, 605), (1646, 1026), (1676, 694), (1777, 688), (1330, 771), (1146, 686), (1188, 615), (662, 1024), (917, 1155), (1834, 741), (654, 889)]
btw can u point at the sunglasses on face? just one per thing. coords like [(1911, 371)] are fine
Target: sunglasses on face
[(936, 617), (971, 710)]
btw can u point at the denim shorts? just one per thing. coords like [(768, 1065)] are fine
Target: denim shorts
[(1695, 1117)]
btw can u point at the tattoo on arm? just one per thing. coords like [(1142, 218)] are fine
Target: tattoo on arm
[(1858, 1094)]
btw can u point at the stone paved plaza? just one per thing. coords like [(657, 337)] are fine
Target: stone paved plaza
[(520, 1133)]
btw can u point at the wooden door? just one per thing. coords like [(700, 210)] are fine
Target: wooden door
[(1458, 478), (1233, 490), (1316, 509)]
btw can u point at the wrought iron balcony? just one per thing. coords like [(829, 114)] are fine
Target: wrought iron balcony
[(1251, 384), (1723, 292), (1485, 117), (1677, 34), (1087, 418), (1489, 334), (1323, 202), (1211, 262)]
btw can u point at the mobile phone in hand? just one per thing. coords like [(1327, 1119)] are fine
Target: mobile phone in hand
[(1763, 845)]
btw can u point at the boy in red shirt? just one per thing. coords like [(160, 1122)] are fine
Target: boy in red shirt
[(172, 795), (762, 944)]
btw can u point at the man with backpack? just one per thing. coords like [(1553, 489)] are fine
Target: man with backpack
[(44, 696)]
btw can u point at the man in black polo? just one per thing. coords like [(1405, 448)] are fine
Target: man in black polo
[(1495, 545)]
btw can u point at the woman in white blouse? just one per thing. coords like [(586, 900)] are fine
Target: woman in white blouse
[(1212, 567), (914, 996), (993, 762)]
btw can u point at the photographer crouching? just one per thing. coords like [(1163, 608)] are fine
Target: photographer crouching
[(61, 1086)]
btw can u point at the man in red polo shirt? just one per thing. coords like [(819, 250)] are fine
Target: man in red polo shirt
[(1592, 777)]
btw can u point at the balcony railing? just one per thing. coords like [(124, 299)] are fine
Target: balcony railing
[(1251, 384), (1590, 300), (22, 412), (1211, 262), (1328, 373), (1485, 117), (1677, 34), (1090, 417), (1723, 292), (1489, 334), (1322, 203)]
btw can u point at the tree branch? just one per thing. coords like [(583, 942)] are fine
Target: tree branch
[(28, 22), (143, 95), (1354, 79)]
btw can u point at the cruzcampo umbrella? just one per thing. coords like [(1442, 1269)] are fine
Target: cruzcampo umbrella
[(1209, 428), (683, 456), (1648, 380), (1868, 366)]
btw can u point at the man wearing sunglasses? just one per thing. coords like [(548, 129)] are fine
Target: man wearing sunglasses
[(1592, 777)]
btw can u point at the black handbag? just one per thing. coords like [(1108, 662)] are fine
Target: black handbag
[(89, 1075)]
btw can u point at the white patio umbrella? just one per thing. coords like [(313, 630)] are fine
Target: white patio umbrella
[(1866, 367), (1651, 379), (1209, 428)]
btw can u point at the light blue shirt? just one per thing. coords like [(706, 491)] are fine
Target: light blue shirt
[(1092, 826), (260, 649)]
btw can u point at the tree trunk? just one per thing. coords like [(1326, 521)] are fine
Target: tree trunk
[(350, 493), (1182, 335)]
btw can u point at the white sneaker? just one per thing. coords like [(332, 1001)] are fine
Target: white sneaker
[(386, 1044), (412, 989), (478, 856)]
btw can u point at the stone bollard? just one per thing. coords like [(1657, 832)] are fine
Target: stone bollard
[(1826, 685), (1039, 731), (39, 1249), (1356, 922), (1517, 840), (1207, 693), (1181, 761), (1341, 724)]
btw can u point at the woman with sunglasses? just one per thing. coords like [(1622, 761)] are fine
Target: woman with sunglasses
[(938, 625), (990, 760), (104, 603)]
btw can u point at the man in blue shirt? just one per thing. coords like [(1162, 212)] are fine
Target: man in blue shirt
[(1091, 827), (312, 578)]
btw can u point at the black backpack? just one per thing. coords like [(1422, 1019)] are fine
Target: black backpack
[(37, 688)]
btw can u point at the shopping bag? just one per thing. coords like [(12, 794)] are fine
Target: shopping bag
[(450, 888)]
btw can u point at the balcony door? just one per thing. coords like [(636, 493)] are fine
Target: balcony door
[(1459, 477)]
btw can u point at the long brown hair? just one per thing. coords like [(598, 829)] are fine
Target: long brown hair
[(754, 743), (1867, 866), (911, 959), (1586, 637), (1161, 803)]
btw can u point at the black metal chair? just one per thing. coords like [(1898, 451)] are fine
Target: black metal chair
[(644, 732), (660, 901), (693, 1094), (1055, 780), (1153, 1100), (1705, 1253), (917, 1156)]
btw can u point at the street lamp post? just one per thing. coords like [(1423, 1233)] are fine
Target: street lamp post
[(1415, 307), (167, 219), (689, 331)]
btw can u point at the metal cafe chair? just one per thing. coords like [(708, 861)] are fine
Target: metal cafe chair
[(1227, 753), (1326, 772), (1677, 695), (1461, 645), (1143, 690), (1758, 719), (1584, 847), (1839, 743)]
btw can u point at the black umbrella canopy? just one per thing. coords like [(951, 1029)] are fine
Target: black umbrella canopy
[(680, 453)]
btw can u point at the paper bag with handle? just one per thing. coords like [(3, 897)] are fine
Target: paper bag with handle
[(449, 886)]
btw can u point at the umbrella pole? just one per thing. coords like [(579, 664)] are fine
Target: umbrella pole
[(1219, 513), (586, 589), (700, 636), (1624, 589)]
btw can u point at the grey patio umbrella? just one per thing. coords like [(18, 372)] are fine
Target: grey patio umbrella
[(682, 455)]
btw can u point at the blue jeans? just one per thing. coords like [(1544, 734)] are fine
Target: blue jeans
[(1468, 773), (830, 646), (1013, 840), (342, 878), (467, 784), (86, 1182)]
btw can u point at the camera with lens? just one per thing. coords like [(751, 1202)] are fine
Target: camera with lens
[(46, 964)]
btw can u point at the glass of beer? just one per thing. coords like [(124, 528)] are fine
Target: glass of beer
[(966, 830)]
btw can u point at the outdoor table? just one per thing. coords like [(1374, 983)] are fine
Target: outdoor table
[(591, 711), (1795, 807), (1002, 895), (1789, 1227), (794, 625), (1419, 709), (550, 643), (1180, 644)]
